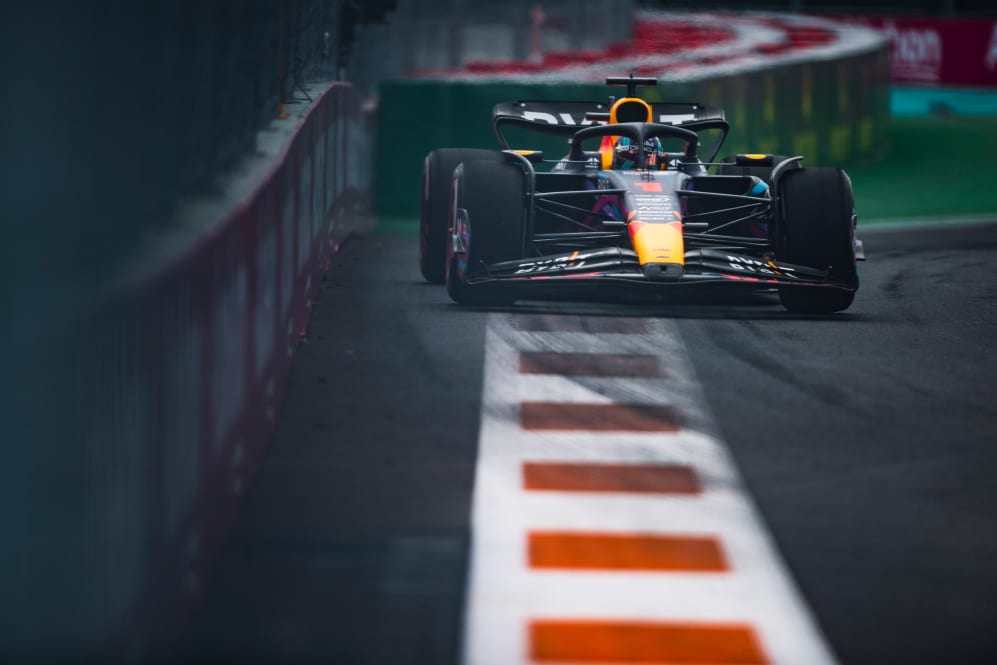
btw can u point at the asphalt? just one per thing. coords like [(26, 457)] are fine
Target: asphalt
[(866, 439), (352, 543)]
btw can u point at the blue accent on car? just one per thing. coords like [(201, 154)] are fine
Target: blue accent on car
[(759, 189)]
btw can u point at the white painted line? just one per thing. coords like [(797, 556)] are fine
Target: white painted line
[(505, 594)]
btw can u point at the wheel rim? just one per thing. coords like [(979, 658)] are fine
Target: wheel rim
[(457, 245)]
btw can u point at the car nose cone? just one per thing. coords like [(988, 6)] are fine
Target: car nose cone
[(663, 272)]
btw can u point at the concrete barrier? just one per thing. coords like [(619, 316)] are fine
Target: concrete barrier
[(142, 423), (789, 92)]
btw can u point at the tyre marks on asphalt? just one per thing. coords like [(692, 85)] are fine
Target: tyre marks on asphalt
[(609, 523)]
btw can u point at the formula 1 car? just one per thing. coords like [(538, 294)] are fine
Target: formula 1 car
[(493, 228)]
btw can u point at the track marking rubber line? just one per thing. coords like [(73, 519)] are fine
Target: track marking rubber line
[(609, 522)]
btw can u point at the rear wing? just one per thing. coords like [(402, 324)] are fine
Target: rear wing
[(560, 118)]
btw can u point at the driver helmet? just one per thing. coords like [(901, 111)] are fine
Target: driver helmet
[(625, 155)]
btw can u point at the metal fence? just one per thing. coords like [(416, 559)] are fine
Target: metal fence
[(118, 111), (124, 108)]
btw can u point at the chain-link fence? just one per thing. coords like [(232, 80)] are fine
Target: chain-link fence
[(118, 110)]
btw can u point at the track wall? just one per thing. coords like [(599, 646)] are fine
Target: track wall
[(136, 429)]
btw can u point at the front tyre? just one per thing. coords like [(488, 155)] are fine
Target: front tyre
[(815, 226), (437, 174), (487, 220)]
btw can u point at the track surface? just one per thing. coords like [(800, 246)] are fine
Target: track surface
[(867, 440)]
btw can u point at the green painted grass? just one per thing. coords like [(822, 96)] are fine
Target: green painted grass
[(933, 168)]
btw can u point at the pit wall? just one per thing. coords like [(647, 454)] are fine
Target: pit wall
[(825, 97), (141, 426)]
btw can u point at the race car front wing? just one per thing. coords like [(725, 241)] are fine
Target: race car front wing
[(621, 266)]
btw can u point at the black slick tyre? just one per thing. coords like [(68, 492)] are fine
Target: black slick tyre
[(486, 226), (815, 227), (437, 173)]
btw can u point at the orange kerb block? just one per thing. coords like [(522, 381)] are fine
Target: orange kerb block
[(589, 364), (574, 416), (625, 552), (595, 641), (586, 477), (621, 325)]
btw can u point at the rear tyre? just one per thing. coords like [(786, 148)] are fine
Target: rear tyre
[(814, 226), (486, 226), (437, 173), (728, 166)]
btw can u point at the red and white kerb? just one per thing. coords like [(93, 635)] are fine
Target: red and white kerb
[(609, 522)]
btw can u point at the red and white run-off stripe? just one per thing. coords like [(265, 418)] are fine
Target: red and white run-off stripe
[(609, 522)]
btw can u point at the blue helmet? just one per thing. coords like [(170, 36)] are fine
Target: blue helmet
[(625, 153)]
